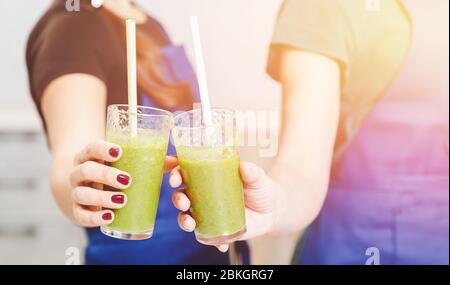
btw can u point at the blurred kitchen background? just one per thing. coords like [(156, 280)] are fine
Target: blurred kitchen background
[(234, 33)]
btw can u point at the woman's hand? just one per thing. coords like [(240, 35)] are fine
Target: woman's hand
[(260, 196), (88, 177)]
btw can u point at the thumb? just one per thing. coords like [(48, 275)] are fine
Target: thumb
[(258, 193), (252, 175)]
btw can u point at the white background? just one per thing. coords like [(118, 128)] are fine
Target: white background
[(235, 36)]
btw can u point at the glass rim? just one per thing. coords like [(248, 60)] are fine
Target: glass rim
[(164, 113), (203, 126)]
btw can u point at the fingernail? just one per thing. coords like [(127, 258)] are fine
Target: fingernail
[(123, 179), (114, 151), (249, 172), (107, 216), (118, 199), (222, 248)]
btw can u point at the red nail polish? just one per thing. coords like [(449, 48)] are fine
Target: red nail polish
[(114, 151), (123, 179), (118, 199), (107, 216)]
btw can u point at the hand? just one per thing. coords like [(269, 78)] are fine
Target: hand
[(88, 177), (259, 196)]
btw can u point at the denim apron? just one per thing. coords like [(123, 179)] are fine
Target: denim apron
[(388, 200), (169, 244), (389, 195)]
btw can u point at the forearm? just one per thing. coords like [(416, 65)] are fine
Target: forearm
[(73, 106), (301, 169), (60, 183), (298, 200), (310, 114)]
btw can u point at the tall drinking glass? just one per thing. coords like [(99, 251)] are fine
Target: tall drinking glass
[(209, 163), (143, 158)]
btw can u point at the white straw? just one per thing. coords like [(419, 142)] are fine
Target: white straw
[(201, 73), (132, 78)]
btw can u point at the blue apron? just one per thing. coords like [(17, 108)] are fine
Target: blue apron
[(388, 200), (169, 244), (389, 194)]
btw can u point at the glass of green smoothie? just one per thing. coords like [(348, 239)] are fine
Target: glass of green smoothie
[(209, 162), (143, 155)]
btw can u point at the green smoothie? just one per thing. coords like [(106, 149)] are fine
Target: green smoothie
[(143, 158), (214, 188)]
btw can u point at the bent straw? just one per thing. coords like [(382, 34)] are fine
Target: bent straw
[(132, 78)]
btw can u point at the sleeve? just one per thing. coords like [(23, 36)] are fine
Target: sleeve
[(68, 43), (313, 25)]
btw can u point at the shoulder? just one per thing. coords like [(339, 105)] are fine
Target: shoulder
[(318, 26), (320, 13)]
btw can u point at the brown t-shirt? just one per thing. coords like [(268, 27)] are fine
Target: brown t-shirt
[(65, 42)]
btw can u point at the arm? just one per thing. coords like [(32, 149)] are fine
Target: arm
[(290, 197), (310, 113), (74, 110)]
